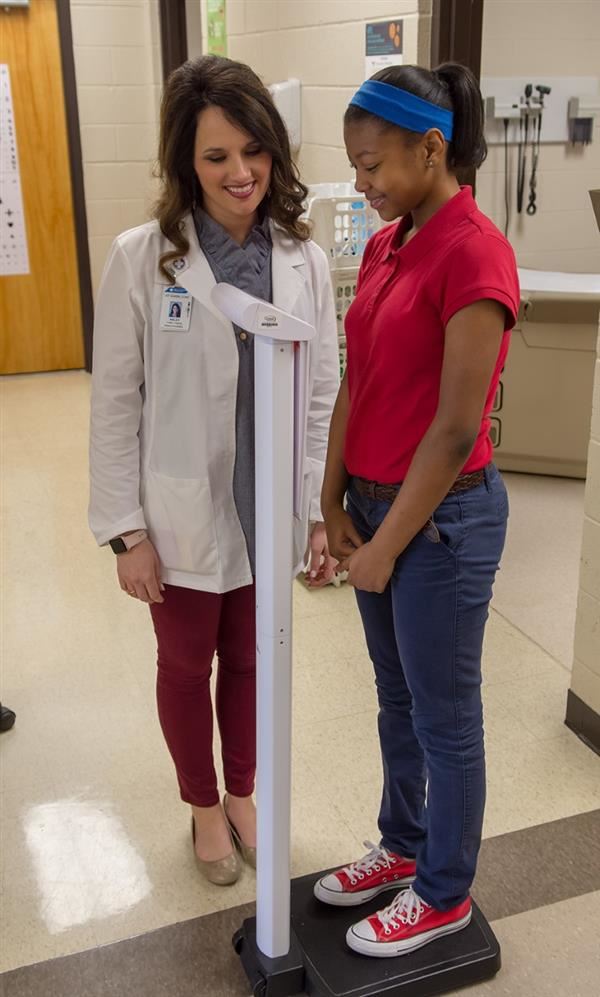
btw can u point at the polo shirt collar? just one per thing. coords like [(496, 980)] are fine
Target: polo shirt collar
[(435, 231)]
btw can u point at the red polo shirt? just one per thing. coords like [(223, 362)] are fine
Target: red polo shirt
[(395, 331)]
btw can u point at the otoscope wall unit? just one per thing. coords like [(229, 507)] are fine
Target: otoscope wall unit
[(503, 98)]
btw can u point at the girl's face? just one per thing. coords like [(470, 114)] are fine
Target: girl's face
[(232, 168), (391, 173)]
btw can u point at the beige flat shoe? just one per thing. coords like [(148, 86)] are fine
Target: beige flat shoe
[(247, 852), (220, 872)]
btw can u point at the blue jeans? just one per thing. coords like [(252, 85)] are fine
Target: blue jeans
[(425, 634)]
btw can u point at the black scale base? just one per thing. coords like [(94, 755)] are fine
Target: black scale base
[(321, 965)]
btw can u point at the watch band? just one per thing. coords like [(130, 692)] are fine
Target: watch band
[(120, 545)]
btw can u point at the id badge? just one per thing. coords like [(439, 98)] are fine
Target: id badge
[(176, 309)]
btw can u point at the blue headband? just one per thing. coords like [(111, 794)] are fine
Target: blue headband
[(403, 108)]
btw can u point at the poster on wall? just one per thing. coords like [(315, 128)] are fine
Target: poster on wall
[(383, 45), (14, 258), (217, 27)]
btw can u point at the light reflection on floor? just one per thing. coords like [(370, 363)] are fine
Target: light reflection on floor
[(86, 868)]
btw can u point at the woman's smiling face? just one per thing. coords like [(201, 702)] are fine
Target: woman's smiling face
[(232, 168)]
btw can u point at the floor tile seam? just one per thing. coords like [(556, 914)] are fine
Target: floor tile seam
[(299, 724), (528, 637)]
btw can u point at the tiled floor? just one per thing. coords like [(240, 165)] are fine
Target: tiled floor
[(95, 839), (537, 587), (547, 927)]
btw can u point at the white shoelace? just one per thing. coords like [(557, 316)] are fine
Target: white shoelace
[(378, 858), (406, 908)]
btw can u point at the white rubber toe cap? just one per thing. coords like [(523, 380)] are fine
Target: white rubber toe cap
[(331, 883), (362, 930)]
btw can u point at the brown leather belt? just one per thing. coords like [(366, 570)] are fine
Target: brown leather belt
[(387, 493)]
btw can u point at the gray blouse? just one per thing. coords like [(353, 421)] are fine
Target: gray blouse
[(248, 267)]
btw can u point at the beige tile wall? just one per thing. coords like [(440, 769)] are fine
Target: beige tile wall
[(585, 681), (322, 43), (117, 65), (556, 38), (117, 57)]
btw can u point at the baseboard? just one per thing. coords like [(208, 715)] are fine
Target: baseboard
[(583, 721)]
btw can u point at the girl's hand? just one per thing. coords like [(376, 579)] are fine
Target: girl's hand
[(368, 569), (322, 565), (138, 571), (342, 535)]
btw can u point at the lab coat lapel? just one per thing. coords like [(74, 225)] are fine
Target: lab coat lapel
[(196, 276), (287, 269)]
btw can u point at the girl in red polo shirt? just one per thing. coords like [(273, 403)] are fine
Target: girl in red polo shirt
[(424, 524)]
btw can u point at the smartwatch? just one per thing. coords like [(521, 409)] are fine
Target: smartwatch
[(120, 545)]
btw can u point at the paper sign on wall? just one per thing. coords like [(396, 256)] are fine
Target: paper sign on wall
[(383, 45), (14, 258), (217, 27)]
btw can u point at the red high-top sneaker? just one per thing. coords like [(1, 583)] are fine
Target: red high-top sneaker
[(406, 925), (379, 870)]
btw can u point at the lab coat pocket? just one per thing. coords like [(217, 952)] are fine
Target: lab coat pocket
[(180, 520)]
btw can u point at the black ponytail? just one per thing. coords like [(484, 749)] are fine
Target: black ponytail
[(468, 146), (451, 86)]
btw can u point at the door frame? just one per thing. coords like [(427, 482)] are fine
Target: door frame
[(67, 58), (173, 34), (456, 36), (456, 31)]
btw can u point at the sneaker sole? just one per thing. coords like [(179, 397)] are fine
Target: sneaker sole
[(387, 950), (355, 899)]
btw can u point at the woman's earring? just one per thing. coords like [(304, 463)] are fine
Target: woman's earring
[(429, 162)]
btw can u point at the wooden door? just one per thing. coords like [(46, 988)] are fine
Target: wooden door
[(40, 311)]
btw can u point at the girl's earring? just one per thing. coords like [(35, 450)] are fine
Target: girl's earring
[(429, 163)]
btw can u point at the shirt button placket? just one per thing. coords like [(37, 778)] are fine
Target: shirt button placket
[(389, 277)]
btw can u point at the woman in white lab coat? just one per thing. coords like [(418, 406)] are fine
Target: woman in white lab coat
[(172, 427)]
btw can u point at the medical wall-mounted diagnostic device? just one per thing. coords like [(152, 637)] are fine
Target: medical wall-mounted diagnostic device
[(582, 111)]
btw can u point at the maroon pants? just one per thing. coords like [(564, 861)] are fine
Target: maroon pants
[(190, 627)]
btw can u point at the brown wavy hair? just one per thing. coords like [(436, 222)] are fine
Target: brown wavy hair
[(212, 81)]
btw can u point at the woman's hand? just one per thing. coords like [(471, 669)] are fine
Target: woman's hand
[(368, 568), (322, 565), (138, 570), (342, 535)]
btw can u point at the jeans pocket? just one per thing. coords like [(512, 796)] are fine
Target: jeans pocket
[(354, 506), (497, 489), (431, 532), (445, 530), (502, 503)]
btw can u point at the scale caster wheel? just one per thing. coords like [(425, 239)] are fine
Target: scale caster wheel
[(238, 941), (260, 989)]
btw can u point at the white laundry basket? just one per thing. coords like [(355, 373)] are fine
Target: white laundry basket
[(342, 221), (344, 290), (342, 224)]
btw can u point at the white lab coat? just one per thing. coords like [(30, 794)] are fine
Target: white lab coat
[(163, 406)]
